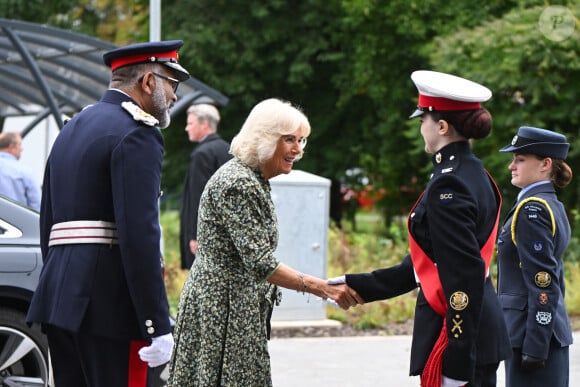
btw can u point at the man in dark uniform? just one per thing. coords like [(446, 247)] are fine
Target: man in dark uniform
[(459, 335), (207, 157), (530, 249), (101, 297)]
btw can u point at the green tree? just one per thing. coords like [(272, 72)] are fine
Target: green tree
[(534, 79), (347, 63), (116, 21), (251, 50)]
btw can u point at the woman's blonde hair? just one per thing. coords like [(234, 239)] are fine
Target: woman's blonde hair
[(267, 122)]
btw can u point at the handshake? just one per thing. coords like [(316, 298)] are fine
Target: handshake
[(341, 295)]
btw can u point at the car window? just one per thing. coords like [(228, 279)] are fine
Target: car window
[(8, 230)]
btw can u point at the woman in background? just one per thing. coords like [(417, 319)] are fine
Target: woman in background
[(530, 249)]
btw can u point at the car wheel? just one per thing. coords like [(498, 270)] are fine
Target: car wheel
[(23, 351)]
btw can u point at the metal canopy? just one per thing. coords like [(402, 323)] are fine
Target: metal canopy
[(48, 71)]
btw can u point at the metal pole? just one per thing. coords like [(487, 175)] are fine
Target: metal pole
[(36, 73), (154, 20)]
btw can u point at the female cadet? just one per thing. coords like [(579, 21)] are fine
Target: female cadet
[(531, 272), (459, 331)]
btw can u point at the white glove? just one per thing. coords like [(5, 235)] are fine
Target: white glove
[(159, 352), (448, 382), (336, 280)]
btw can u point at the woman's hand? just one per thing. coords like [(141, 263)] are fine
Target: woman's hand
[(344, 295)]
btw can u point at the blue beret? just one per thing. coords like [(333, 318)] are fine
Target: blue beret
[(541, 142), (164, 53)]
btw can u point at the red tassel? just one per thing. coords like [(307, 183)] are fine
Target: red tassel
[(432, 375)]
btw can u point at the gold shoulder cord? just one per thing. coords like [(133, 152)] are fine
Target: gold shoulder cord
[(516, 212)]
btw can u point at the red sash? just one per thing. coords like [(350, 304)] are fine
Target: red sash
[(432, 288)]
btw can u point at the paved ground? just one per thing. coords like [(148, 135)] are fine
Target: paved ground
[(366, 361)]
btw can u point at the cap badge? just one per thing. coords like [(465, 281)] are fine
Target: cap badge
[(459, 300), (438, 158), (515, 140), (139, 114), (543, 279)]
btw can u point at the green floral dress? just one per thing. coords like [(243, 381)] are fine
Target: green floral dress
[(223, 319)]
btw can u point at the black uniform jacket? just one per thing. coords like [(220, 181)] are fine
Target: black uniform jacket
[(104, 165), (531, 276), (206, 158), (451, 223)]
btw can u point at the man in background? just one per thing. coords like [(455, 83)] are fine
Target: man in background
[(207, 157), (16, 182)]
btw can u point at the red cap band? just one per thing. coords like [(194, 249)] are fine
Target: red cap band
[(141, 58), (439, 103)]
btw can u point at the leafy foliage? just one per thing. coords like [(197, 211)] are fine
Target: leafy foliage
[(534, 80), (347, 64)]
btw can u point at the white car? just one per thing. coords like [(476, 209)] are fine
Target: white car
[(23, 348)]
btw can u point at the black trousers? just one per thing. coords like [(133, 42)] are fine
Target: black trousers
[(556, 373), (81, 360)]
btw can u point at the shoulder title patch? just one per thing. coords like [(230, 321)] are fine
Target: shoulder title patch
[(446, 196)]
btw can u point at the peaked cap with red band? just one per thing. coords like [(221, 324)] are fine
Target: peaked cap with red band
[(164, 53), (446, 92)]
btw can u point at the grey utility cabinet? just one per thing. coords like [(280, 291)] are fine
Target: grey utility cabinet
[(302, 203)]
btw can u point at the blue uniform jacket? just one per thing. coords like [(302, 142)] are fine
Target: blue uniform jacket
[(451, 223), (531, 276), (104, 165)]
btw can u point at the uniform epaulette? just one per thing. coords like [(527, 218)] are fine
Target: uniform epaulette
[(139, 114), (518, 208)]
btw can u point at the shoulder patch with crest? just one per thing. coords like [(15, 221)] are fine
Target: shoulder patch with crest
[(139, 114)]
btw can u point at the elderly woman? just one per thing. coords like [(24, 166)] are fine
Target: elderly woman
[(223, 320)]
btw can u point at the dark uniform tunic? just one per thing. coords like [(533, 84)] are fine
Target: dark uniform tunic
[(531, 285), (207, 157), (104, 165), (451, 223)]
